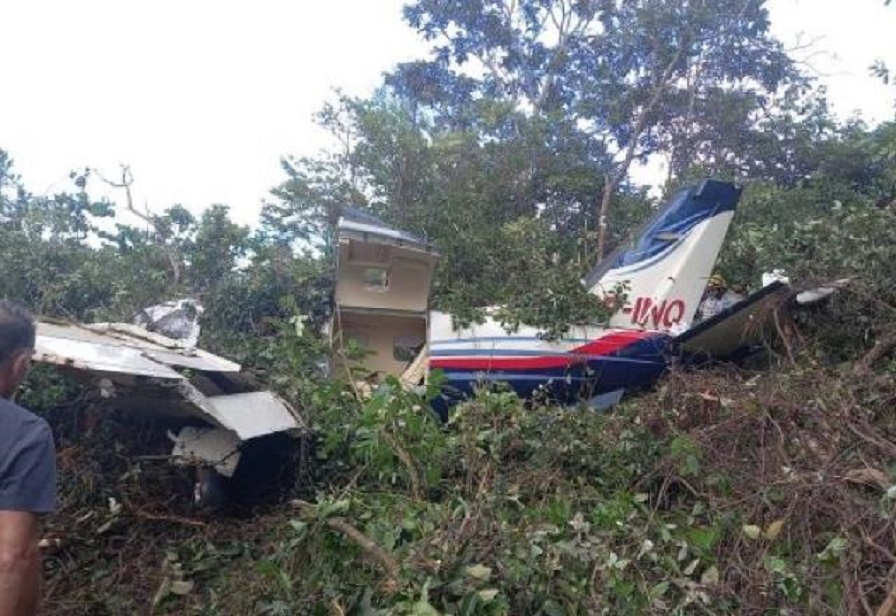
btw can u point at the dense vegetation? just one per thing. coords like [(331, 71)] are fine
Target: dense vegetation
[(509, 149)]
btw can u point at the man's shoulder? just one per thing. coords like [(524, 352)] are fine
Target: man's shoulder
[(17, 421), (27, 461)]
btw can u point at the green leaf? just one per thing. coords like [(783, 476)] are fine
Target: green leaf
[(181, 587), (657, 591), (775, 564), (833, 550), (327, 508), (479, 572), (751, 530), (710, 577), (424, 608), (774, 529), (703, 538)]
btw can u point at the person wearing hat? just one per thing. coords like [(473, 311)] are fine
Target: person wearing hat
[(716, 298)]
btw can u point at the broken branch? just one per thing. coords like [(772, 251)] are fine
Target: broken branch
[(405, 457), (370, 547), (162, 233), (169, 518), (367, 544), (877, 352)]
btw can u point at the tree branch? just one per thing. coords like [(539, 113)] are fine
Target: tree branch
[(408, 461), (614, 178), (878, 351), (367, 544), (161, 232), (888, 607)]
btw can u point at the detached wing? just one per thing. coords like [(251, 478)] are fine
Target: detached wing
[(734, 331)]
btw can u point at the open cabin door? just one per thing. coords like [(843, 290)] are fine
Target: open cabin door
[(383, 281)]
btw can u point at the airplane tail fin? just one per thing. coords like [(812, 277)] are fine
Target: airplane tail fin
[(666, 269)]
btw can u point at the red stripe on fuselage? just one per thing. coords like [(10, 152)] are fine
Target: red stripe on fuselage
[(605, 345), (611, 342)]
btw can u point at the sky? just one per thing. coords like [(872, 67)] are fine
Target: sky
[(203, 97)]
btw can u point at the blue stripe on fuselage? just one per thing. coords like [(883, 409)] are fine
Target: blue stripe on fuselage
[(635, 365)]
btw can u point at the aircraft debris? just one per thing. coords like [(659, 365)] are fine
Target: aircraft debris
[(177, 319), (135, 370)]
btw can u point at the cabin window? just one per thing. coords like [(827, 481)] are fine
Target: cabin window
[(407, 346), (376, 279), (363, 252)]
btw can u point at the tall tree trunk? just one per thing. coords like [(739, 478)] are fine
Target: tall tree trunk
[(607, 194), (613, 179)]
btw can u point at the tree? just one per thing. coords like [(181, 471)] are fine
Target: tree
[(42, 245), (215, 249), (636, 76), (71, 256), (168, 229)]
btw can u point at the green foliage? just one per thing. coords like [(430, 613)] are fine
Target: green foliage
[(738, 493), (836, 225), (505, 166), (66, 256), (398, 425), (521, 204), (215, 250), (518, 509), (626, 79), (538, 287), (46, 388)]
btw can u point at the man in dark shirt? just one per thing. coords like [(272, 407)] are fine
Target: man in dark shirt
[(27, 469)]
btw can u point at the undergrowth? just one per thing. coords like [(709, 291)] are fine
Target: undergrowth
[(724, 491)]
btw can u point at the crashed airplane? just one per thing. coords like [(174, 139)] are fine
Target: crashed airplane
[(381, 304), (383, 283)]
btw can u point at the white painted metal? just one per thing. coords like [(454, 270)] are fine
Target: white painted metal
[(121, 347), (254, 414), (209, 446), (112, 349), (491, 335), (347, 227), (99, 357), (678, 273)]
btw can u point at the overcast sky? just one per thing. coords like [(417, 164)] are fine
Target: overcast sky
[(202, 97)]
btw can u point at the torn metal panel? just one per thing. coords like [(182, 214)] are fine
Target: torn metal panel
[(207, 446), (177, 319), (362, 226), (205, 362), (383, 282), (249, 415), (255, 414), (382, 277), (167, 350), (141, 371), (132, 333), (114, 347), (100, 357)]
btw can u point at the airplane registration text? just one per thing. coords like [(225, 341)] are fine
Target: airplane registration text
[(646, 311)]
